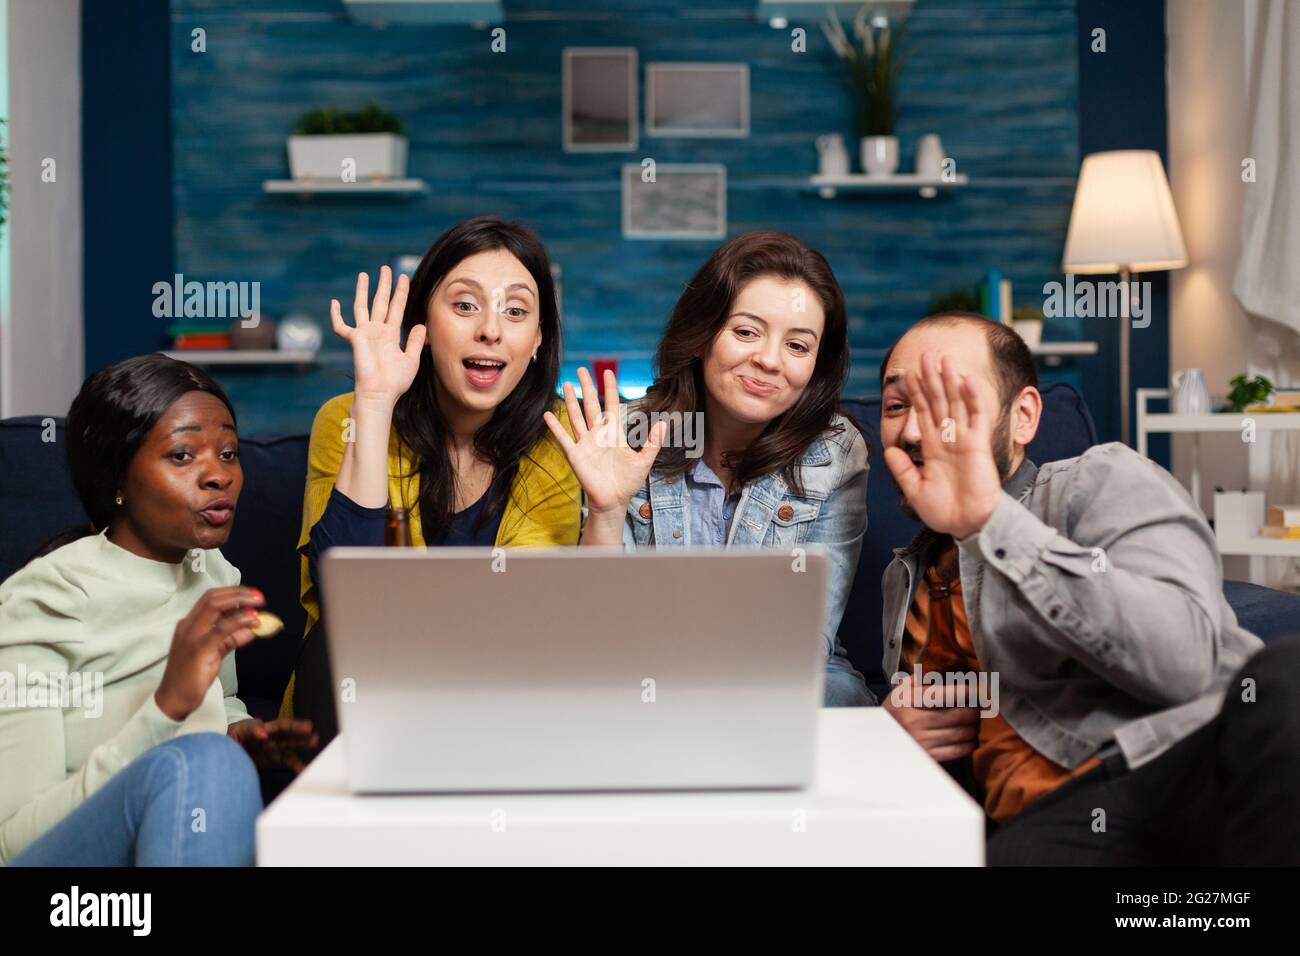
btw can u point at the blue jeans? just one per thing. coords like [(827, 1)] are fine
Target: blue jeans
[(844, 686), (191, 801)]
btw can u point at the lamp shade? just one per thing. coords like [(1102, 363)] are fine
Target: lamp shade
[(1123, 216)]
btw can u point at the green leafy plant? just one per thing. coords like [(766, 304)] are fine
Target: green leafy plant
[(331, 121), (955, 300), (874, 59), (1246, 392)]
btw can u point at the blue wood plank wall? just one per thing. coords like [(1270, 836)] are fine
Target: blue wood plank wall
[(997, 80)]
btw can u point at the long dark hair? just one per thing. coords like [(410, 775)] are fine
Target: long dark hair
[(516, 424), (701, 313), (112, 413)]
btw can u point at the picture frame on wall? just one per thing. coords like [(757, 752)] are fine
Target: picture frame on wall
[(599, 99), (685, 201), (709, 100)]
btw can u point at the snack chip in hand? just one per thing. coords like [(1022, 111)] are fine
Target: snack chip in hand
[(268, 625)]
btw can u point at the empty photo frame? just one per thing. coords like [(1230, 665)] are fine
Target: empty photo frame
[(685, 201), (697, 99), (600, 99)]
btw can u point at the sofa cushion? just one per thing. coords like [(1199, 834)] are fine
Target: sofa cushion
[(1265, 612), (37, 501), (1066, 430)]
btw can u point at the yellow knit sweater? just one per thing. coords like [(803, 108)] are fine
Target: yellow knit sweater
[(543, 510)]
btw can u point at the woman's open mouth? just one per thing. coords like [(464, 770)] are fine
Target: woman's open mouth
[(483, 372)]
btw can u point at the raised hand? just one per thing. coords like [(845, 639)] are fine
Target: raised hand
[(957, 486), (383, 369), (609, 469)]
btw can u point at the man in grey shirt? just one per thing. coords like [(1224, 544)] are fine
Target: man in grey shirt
[(1134, 720)]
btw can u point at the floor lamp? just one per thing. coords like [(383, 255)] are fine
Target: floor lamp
[(1123, 221)]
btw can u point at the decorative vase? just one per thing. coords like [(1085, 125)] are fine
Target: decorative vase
[(929, 156), (832, 156), (1191, 396), (1031, 330), (298, 333), (879, 155)]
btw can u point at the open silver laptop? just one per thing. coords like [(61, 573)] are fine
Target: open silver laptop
[(575, 668)]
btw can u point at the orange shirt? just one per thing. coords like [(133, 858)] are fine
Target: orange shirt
[(1011, 773)]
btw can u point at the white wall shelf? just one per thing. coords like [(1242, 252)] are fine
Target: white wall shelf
[(1070, 349), (828, 187), (1149, 423), (1260, 546), (242, 356), (310, 187)]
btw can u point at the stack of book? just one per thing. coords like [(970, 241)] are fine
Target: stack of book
[(200, 335), (995, 297), (1283, 522), (1286, 398), (1280, 400)]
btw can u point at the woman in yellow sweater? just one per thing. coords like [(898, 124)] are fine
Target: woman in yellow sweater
[(448, 426)]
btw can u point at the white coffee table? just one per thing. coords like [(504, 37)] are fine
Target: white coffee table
[(877, 799)]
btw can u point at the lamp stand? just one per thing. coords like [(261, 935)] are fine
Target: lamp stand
[(1124, 389)]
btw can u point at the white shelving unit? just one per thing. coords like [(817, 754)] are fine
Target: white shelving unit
[(828, 187), (311, 187), (1149, 423), (1259, 546), (1064, 349), (242, 356)]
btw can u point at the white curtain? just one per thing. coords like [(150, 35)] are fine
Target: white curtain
[(1267, 280)]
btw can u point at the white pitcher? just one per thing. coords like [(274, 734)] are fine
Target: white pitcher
[(832, 155), (1191, 396)]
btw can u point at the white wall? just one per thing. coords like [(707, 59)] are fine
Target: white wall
[(41, 314), (1209, 137)]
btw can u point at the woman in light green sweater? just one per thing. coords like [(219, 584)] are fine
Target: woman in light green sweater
[(121, 739)]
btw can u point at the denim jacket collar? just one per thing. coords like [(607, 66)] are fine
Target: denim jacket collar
[(759, 501)]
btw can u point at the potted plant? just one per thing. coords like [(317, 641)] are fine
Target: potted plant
[(1247, 392), (336, 144), (874, 59)]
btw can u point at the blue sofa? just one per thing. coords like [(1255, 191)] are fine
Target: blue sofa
[(37, 501)]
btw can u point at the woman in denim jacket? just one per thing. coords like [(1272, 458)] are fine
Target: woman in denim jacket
[(737, 442)]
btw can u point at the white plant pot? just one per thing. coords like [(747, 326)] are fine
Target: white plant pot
[(879, 155), (1238, 514), (1031, 330), (376, 155)]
